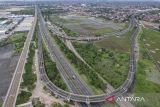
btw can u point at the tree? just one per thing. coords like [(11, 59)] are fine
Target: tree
[(66, 105), (57, 105)]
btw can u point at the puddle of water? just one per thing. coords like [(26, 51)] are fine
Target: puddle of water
[(8, 64)]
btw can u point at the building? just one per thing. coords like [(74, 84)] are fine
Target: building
[(25, 25)]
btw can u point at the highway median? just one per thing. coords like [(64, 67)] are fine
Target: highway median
[(29, 77), (82, 68), (51, 70)]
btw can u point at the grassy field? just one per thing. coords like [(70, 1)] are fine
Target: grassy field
[(124, 25), (147, 76), (87, 25), (96, 31), (38, 104), (109, 64), (103, 31), (29, 11), (109, 58), (57, 19), (87, 74), (18, 40), (59, 105), (151, 41), (118, 43), (29, 77), (142, 84), (23, 97)]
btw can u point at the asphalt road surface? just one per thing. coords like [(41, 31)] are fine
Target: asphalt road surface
[(11, 96), (75, 84), (58, 32), (91, 98)]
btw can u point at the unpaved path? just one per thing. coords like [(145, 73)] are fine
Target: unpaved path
[(40, 93), (71, 47)]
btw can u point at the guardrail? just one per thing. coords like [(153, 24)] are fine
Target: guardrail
[(11, 96), (92, 98), (56, 30)]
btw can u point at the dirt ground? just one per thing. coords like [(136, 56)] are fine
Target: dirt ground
[(150, 25), (40, 93)]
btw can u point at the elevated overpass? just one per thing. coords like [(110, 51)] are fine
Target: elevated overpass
[(10, 99), (60, 33), (95, 98)]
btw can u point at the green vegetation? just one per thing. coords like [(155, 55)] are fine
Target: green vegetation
[(56, 19), (49, 11), (151, 100), (150, 40), (52, 71), (84, 26), (145, 63), (18, 40), (83, 69), (118, 43), (29, 77), (66, 105), (103, 31), (68, 31), (59, 105), (38, 104), (23, 97), (35, 37), (124, 25), (65, 29), (145, 85), (8, 22), (3, 43), (2, 19), (97, 31), (29, 11), (107, 63), (142, 84)]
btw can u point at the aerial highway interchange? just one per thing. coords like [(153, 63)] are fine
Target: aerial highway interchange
[(78, 90), (67, 72), (101, 98)]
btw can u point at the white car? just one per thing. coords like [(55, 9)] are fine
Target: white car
[(73, 76)]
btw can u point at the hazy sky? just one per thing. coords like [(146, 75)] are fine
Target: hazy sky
[(81, 0), (78, 0)]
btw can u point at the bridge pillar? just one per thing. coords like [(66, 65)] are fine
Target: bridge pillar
[(56, 94), (68, 98), (87, 101)]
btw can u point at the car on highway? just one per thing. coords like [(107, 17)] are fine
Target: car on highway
[(74, 77)]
